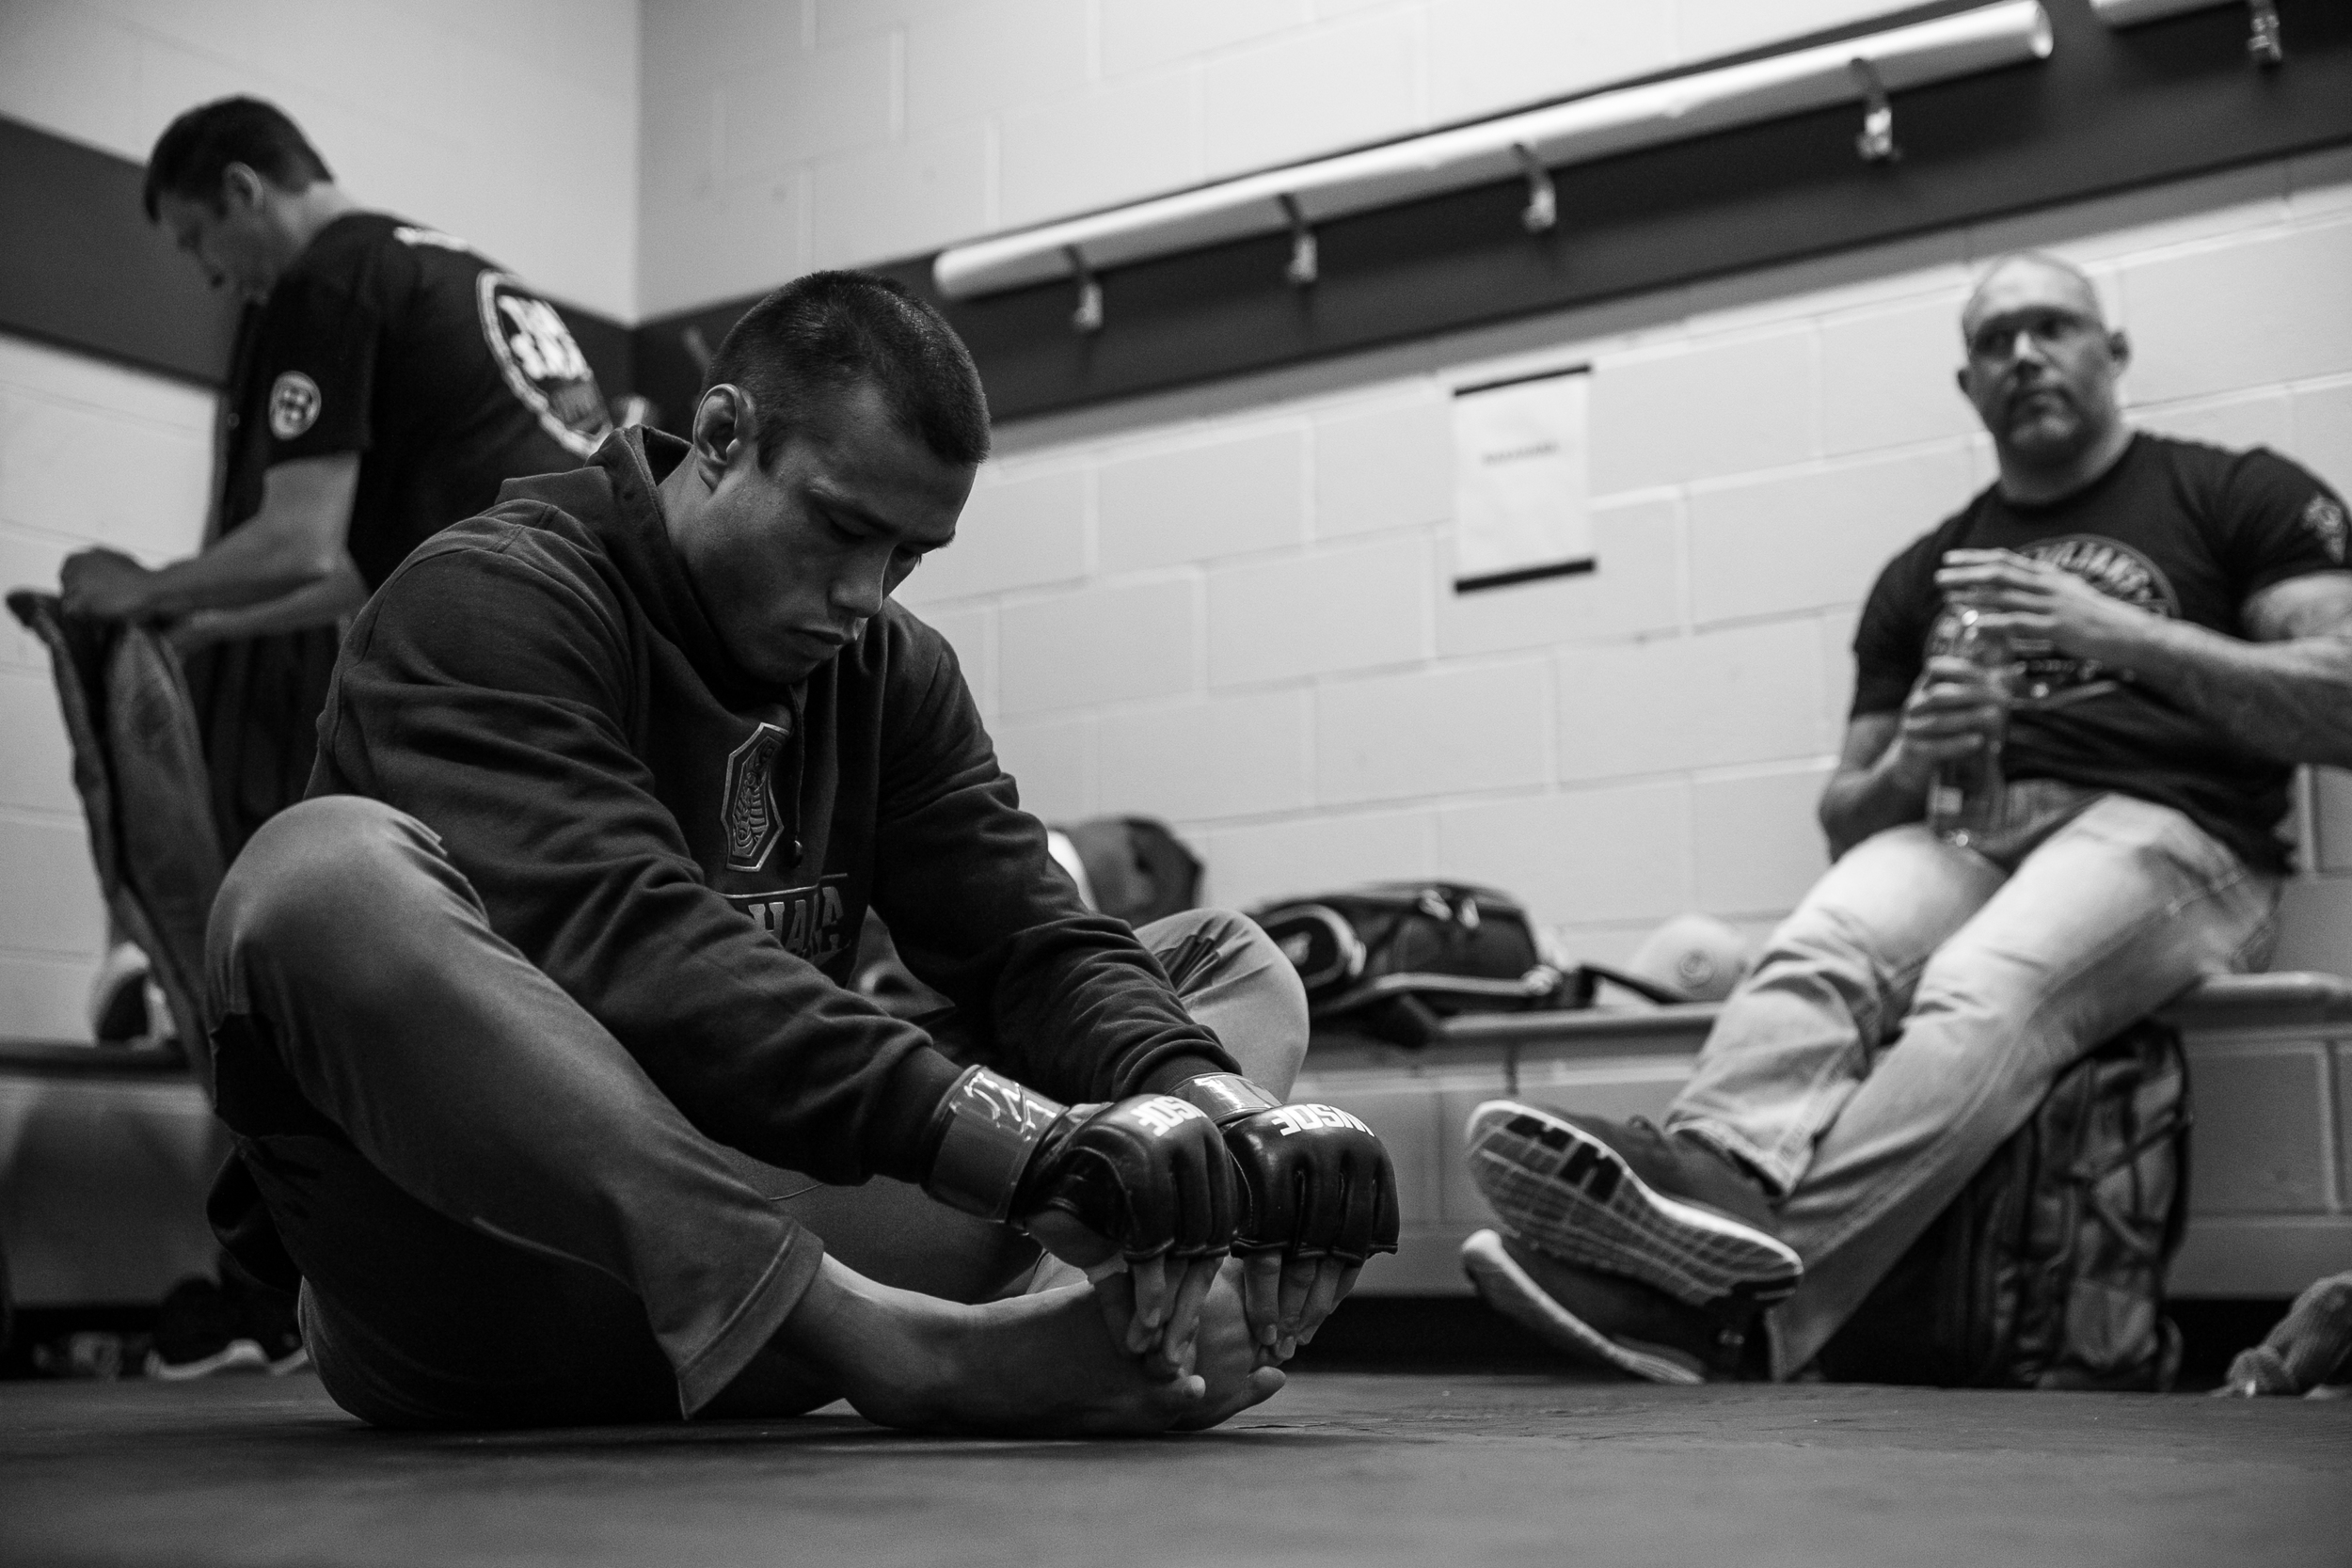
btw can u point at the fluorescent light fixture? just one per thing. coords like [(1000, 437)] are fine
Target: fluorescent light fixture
[(1291, 199)]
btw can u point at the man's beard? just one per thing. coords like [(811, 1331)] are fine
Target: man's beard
[(2046, 426)]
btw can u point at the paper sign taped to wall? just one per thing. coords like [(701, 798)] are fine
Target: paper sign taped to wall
[(1520, 481)]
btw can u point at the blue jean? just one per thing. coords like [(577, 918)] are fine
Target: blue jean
[(498, 1219), (1920, 1002)]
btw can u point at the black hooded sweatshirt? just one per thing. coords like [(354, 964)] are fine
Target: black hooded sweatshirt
[(688, 853)]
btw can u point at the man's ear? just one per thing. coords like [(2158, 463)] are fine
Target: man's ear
[(2118, 348), (724, 429), (241, 189)]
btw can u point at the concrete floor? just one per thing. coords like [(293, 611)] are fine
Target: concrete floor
[(1344, 1469)]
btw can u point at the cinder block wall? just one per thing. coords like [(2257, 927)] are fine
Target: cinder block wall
[(781, 137), (90, 453), (511, 122), (1231, 607)]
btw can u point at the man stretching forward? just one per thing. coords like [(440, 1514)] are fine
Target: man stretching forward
[(529, 1022), (2185, 625)]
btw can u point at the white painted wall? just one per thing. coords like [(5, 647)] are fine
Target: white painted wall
[(90, 453), (1230, 607), (511, 122), (789, 135)]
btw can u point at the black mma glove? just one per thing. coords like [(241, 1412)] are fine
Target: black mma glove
[(1315, 1182), (1149, 1173)]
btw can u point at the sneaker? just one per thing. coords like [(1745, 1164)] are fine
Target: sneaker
[(2305, 1351), (198, 1332), (1605, 1319), (1624, 1198)]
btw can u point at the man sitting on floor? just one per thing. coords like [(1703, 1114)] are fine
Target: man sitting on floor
[(531, 1025), (2183, 620)]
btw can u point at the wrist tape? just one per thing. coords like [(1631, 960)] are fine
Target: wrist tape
[(1226, 1095), (987, 1130)]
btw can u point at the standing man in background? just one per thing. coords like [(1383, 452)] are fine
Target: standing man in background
[(387, 380)]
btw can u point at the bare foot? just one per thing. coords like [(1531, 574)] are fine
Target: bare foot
[(1047, 1365), (1044, 1365)]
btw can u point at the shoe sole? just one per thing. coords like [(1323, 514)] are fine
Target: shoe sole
[(1560, 1189), (236, 1356), (1512, 1291)]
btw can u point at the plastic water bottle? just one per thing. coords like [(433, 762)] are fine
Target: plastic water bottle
[(1965, 798)]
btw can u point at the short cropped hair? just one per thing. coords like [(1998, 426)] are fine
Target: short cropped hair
[(2044, 260), (820, 335), (197, 148)]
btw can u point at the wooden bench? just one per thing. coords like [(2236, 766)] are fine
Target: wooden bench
[(2270, 1074), (106, 1155)]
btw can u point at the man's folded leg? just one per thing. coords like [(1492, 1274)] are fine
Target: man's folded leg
[(1234, 981), (1796, 1036), (2113, 916), (487, 1177)]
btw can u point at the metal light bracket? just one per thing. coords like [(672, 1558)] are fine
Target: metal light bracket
[(1088, 317), (1876, 141), (1542, 212), (2263, 41), (1302, 270)]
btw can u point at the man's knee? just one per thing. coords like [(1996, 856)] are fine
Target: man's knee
[(1222, 964), (313, 878)]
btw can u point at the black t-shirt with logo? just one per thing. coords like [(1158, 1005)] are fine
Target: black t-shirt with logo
[(448, 378), (2178, 529), (443, 372)]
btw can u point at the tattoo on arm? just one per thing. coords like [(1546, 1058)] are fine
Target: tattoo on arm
[(2286, 694)]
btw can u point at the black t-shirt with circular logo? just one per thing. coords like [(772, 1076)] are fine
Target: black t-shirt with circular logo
[(446, 375), (448, 378), (2180, 529)]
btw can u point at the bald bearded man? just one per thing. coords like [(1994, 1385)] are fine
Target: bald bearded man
[(2184, 621)]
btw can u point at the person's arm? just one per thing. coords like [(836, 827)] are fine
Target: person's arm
[(1078, 1007), (2286, 694), (980, 912), (1881, 777), (294, 542), (320, 603)]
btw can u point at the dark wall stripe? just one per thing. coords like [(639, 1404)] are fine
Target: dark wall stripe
[(2108, 111), (80, 266)]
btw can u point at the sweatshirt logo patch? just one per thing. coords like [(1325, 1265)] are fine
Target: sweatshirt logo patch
[(748, 812), (811, 922)]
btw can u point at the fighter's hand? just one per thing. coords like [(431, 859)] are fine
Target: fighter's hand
[(103, 583), (2032, 599), (1318, 1196), (1145, 1182), (1953, 708)]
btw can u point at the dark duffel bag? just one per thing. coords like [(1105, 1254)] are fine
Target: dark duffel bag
[(1393, 960), (2048, 1270)]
